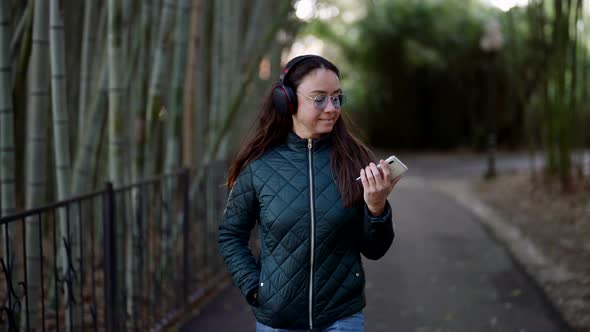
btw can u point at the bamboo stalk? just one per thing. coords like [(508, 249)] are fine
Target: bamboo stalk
[(59, 105), (155, 97), (189, 128), (117, 147), (7, 161), (87, 151), (170, 224), (19, 90), (88, 40), (69, 233), (237, 98), (21, 28), (139, 89), (255, 25), (36, 157), (138, 104), (202, 84), (7, 146), (216, 75)]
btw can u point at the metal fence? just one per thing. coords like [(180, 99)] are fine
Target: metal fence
[(127, 258)]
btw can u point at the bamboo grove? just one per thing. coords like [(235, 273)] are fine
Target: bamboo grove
[(555, 88), (444, 90), (121, 90)]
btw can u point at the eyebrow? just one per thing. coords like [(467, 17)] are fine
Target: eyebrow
[(324, 92)]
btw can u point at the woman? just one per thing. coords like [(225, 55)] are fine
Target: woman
[(295, 176)]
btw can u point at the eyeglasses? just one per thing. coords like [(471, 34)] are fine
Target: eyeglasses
[(321, 101)]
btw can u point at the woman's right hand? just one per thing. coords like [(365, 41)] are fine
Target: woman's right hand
[(377, 186)]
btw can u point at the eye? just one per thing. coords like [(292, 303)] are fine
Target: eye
[(320, 99), (340, 99)]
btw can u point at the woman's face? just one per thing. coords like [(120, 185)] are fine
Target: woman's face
[(309, 121)]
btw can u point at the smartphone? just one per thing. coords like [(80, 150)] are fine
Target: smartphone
[(396, 167)]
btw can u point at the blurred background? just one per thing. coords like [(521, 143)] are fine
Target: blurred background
[(418, 75), (122, 91)]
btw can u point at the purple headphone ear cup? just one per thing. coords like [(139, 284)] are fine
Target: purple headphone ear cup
[(284, 99)]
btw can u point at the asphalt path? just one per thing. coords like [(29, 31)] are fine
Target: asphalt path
[(443, 273)]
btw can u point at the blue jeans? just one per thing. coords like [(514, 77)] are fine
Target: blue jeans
[(353, 323)]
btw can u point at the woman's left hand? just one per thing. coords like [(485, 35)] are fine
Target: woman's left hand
[(376, 186)]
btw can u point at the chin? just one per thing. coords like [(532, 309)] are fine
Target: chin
[(325, 131)]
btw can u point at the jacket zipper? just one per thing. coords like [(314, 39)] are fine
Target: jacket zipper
[(311, 202)]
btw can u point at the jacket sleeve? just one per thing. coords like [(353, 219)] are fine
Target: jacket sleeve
[(378, 233), (239, 218)]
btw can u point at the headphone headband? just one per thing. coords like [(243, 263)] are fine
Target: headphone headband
[(291, 64), (284, 97)]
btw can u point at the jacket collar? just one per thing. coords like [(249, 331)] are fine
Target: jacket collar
[(297, 143)]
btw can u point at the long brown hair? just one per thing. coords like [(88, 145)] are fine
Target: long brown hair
[(348, 154)]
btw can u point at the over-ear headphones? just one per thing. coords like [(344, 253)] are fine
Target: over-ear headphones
[(284, 97)]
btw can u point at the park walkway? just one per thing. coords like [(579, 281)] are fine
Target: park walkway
[(443, 273)]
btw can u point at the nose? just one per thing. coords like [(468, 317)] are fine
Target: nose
[(330, 107)]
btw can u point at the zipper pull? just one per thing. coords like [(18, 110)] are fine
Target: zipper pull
[(309, 143)]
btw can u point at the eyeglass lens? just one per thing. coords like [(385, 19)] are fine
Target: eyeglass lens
[(321, 101)]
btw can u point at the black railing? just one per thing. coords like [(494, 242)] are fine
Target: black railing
[(126, 258)]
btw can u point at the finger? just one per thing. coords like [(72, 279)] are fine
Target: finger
[(376, 173), (370, 176), (386, 171), (364, 179), (395, 181)]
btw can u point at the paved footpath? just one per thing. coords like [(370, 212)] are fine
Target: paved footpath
[(443, 273)]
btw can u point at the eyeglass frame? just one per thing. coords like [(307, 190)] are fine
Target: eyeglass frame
[(339, 96)]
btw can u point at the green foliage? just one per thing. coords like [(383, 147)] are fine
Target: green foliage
[(418, 76), (415, 67), (421, 80)]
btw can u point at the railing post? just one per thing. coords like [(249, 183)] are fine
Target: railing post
[(186, 232), (110, 275)]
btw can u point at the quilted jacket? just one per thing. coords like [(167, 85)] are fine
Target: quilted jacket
[(309, 273)]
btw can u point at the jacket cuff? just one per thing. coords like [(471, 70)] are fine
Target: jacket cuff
[(250, 296), (383, 217), (248, 292)]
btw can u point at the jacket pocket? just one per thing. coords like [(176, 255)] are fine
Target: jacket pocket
[(263, 288), (358, 275)]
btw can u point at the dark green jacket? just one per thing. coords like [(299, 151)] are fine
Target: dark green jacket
[(309, 273)]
